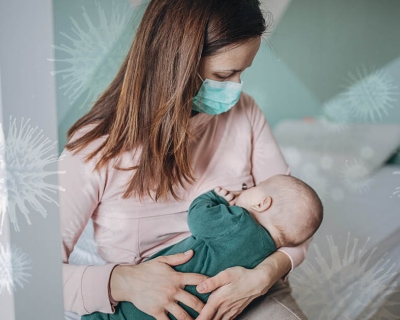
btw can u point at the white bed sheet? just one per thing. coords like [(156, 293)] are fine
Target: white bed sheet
[(352, 266)]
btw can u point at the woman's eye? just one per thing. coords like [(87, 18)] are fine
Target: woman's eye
[(222, 77)]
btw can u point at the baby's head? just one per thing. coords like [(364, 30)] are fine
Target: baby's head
[(287, 207)]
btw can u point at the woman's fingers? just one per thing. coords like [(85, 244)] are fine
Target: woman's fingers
[(208, 312), (191, 279), (177, 259), (190, 300), (162, 317), (215, 282), (178, 312), (241, 287)]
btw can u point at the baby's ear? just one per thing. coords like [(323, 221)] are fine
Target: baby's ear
[(263, 205)]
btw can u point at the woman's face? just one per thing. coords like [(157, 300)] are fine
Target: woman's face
[(229, 64)]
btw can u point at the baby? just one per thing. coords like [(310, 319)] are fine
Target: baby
[(230, 231), (287, 207)]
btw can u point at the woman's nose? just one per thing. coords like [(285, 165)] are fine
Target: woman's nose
[(236, 78)]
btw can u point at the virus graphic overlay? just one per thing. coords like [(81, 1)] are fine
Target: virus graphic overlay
[(355, 176), (95, 55), (14, 264), (27, 153), (346, 283), (336, 115), (370, 95), (85, 249), (312, 175)]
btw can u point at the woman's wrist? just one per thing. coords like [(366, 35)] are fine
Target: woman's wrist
[(116, 285), (110, 297), (274, 267)]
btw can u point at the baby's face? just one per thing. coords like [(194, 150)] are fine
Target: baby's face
[(251, 196), (272, 187)]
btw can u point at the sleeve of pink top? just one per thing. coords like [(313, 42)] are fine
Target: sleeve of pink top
[(267, 160), (85, 287)]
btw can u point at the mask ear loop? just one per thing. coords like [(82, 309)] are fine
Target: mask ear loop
[(200, 77)]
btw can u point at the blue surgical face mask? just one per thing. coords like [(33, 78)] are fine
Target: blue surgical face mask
[(216, 97)]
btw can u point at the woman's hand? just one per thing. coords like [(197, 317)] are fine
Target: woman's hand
[(155, 288), (233, 289)]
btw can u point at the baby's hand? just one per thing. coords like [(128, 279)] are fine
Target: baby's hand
[(227, 195)]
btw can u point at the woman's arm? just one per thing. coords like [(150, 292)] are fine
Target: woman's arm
[(85, 287), (153, 286)]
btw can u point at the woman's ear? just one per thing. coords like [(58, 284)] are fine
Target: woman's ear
[(263, 205)]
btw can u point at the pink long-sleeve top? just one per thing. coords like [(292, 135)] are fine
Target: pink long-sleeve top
[(230, 149)]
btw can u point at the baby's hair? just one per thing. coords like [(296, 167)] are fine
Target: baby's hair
[(296, 220)]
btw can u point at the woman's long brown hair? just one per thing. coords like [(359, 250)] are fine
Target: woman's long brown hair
[(147, 107)]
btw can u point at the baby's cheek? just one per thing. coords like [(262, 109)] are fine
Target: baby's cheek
[(239, 200)]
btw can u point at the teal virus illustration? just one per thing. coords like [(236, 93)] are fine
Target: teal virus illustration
[(14, 268), (27, 153), (95, 52), (336, 115), (346, 282), (370, 95)]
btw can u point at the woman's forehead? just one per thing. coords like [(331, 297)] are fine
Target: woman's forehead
[(234, 58)]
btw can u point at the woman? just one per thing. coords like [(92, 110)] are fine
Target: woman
[(156, 138)]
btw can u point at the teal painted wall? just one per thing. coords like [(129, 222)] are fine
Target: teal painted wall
[(91, 39), (316, 54), (315, 47)]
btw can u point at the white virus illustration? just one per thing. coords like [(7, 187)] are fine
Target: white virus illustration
[(95, 55), (346, 282), (311, 174), (355, 176), (326, 162), (27, 152), (397, 192), (370, 94), (14, 266), (366, 152), (85, 249), (336, 115)]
